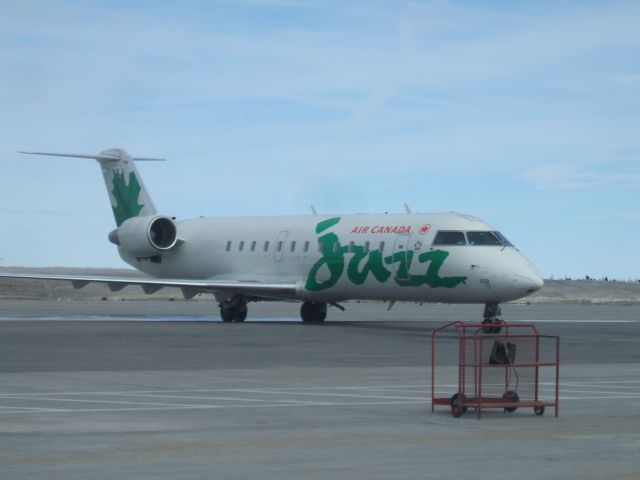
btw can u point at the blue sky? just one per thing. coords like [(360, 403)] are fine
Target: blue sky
[(525, 114)]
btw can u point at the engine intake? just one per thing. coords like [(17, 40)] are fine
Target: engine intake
[(145, 236)]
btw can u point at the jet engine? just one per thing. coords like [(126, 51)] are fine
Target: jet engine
[(145, 236)]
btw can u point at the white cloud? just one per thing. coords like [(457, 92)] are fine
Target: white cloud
[(612, 214), (567, 176)]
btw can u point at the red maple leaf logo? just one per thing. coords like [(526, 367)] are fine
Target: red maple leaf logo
[(425, 229)]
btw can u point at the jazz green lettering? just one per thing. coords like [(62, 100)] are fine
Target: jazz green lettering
[(363, 263), (403, 258), (358, 274), (432, 276), (332, 258)]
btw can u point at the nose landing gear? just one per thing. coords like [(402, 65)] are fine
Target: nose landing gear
[(491, 320)]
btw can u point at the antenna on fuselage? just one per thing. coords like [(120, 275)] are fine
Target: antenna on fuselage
[(407, 209), (313, 210)]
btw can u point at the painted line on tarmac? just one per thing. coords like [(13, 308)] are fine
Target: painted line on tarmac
[(141, 318), (225, 399), (320, 394), (215, 407), (77, 400), (197, 390), (37, 409)]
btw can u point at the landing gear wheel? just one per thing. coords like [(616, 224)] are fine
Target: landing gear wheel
[(457, 409), (510, 396), (241, 313), (491, 313), (227, 314), (313, 312), (233, 313), (539, 411)]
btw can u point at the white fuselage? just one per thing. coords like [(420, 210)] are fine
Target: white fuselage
[(335, 258)]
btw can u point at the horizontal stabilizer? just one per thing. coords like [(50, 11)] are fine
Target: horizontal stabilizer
[(101, 156)]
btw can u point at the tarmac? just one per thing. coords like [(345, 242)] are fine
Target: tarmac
[(159, 389)]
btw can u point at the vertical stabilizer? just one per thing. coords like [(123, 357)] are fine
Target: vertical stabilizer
[(127, 194)]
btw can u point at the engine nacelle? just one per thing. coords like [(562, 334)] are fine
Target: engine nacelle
[(145, 236)]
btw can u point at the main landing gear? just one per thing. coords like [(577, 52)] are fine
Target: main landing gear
[(233, 310), (491, 321), (313, 312)]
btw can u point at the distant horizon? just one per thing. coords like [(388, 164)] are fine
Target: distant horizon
[(129, 268)]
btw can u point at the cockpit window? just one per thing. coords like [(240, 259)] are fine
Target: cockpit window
[(449, 238), (484, 238), (504, 240)]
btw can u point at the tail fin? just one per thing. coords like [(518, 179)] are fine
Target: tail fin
[(128, 196)]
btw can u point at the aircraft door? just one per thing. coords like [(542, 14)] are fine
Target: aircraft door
[(278, 251)]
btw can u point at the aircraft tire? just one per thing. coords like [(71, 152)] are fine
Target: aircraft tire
[(313, 312), (226, 314), (237, 314), (240, 313)]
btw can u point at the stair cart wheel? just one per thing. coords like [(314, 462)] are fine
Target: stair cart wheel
[(457, 410), (539, 411), (510, 396)]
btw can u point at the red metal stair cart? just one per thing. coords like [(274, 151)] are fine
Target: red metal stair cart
[(509, 366)]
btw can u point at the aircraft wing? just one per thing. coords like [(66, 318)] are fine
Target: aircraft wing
[(262, 290)]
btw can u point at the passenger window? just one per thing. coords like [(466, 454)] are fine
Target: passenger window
[(306, 246), (352, 247), (336, 247), (229, 245), (381, 247), (449, 238), (483, 238), (279, 246), (293, 246), (253, 246), (266, 245), (366, 246), (241, 245)]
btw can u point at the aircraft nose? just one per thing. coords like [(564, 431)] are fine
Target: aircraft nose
[(529, 281)]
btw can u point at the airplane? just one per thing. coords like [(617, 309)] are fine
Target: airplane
[(319, 260)]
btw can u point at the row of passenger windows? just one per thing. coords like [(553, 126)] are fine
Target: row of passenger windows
[(253, 246), (444, 237), (291, 247)]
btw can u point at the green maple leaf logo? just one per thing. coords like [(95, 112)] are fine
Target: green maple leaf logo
[(126, 195)]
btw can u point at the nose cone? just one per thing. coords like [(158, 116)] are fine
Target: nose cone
[(525, 277), (528, 282), (502, 275)]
